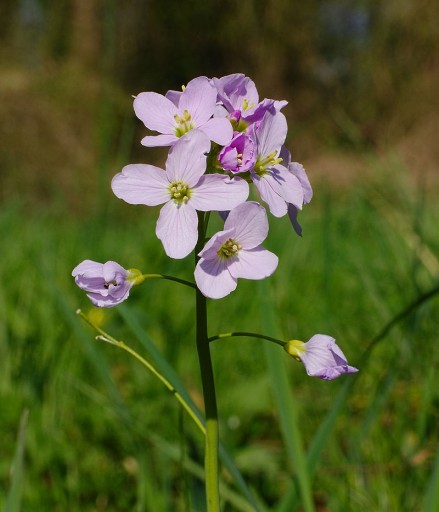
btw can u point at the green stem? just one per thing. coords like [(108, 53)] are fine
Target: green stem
[(169, 278), (109, 339), (247, 335), (206, 369)]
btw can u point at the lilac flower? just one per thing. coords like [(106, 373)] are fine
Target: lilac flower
[(277, 186), (184, 188), (299, 171), (176, 114), (240, 98), (235, 252), (108, 283), (321, 356), (239, 155)]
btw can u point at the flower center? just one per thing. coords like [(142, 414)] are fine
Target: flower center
[(228, 249), (263, 163), (107, 285), (183, 123), (246, 105), (180, 191)]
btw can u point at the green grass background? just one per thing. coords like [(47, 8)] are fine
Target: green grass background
[(103, 435)]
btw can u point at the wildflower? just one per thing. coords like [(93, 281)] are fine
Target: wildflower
[(184, 188), (321, 356), (238, 156), (175, 114), (107, 284), (277, 186), (235, 252)]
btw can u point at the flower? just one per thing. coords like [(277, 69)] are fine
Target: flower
[(235, 252), (175, 114), (108, 283), (321, 356), (184, 188), (277, 186), (238, 155)]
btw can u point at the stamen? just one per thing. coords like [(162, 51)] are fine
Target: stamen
[(229, 248), (179, 191)]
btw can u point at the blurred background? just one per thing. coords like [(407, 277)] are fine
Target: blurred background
[(361, 80)]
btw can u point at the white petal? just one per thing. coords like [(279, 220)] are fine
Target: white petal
[(213, 279), (199, 99), (152, 141), (177, 229), (256, 263), (219, 130), (218, 192), (155, 111), (277, 205), (250, 223)]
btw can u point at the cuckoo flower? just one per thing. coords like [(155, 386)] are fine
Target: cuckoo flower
[(321, 356), (107, 284), (235, 252), (175, 115), (240, 98), (184, 188), (277, 186), (239, 155)]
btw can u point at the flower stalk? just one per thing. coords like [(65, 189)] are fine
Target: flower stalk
[(207, 379)]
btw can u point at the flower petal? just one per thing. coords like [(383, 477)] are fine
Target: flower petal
[(199, 99), (111, 270), (271, 133), (213, 278), (218, 192), (285, 184), (250, 223), (219, 130), (277, 205), (141, 184), (153, 141), (89, 268), (211, 248), (299, 172), (187, 160), (155, 111), (177, 229), (257, 263), (292, 214)]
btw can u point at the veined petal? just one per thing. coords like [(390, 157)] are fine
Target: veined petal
[(177, 229), (213, 278), (174, 96), (219, 130), (187, 160), (155, 111), (199, 99), (89, 268), (257, 263), (152, 141), (271, 133), (218, 192), (107, 301), (286, 185), (250, 223), (141, 184), (111, 269), (210, 250), (299, 172), (277, 205)]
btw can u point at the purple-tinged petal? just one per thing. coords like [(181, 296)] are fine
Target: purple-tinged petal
[(285, 184), (250, 223), (177, 229), (239, 155), (299, 172), (107, 301), (153, 141), (218, 129), (271, 133), (292, 214), (174, 96), (234, 89), (187, 160), (277, 205), (257, 113), (199, 99), (89, 268), (141, 184), (155, 111), (257, 263), (213, 278), (218, 192), (112, 270)]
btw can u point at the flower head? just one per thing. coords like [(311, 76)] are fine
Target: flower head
[(235, 252), (238, 155), (176, 114), (184, 188), (107, 284), (321, 356)]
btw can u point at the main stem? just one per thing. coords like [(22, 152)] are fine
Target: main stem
[(212, 438)]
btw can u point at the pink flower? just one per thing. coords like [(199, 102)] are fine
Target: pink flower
[(235, 252), (184, 188), (238, 155), (176, 114), (108, 283), (321, 356)]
